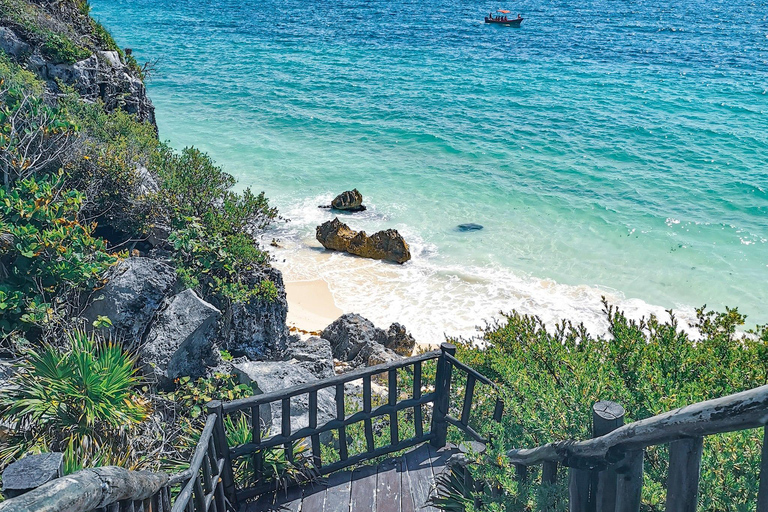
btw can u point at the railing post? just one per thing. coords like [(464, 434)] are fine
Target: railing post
[(683, 478), (762, 493), (630, 483), (220, 440), (442, 397), (606, 417)]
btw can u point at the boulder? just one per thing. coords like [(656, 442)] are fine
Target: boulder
[(399, 341), (135, 289), (181, 340), (384, 245), (257, 328), (349, 333), (469, 227), (314, 354), (351, 201), (275, 376), (373, 354), (31, 472)]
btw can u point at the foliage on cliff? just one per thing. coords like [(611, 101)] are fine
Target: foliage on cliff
[(551, 378)]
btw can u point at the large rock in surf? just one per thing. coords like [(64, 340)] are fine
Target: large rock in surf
[(384, 245), (351, 201), (135, 289), (181, 339)]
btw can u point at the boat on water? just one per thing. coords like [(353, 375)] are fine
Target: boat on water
[(503, 19)]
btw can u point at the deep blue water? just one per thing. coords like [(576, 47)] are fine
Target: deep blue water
[(607, 147)]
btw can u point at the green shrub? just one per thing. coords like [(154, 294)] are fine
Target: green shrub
[(47, 254), (79, 400), (62, 50), (551, 378)]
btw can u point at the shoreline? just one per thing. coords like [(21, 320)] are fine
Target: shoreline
[(311, 307)]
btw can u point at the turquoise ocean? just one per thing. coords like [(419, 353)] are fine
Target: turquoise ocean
[(615, 148)]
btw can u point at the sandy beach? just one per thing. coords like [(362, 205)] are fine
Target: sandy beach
[(310, 305)]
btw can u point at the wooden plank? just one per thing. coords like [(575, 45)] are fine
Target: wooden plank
[(578, 490), (417, 417), (367, 409), (363, 490), (468, 395), (285, 501), (406, 493), (285, 411), (762, 493), (314, 497), (549, 473), (387, 487), (317, 459), (338, 494), (419, 471), (683, 478), (340, 415)]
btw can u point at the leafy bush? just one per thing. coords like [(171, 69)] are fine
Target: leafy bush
[(46, 253), (80, 400), (551, 379), (60, 49)]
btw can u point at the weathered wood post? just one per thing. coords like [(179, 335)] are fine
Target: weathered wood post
[(222, 447), (591, 491), (606, 417), (442, 396), (683, 478), (630, 483), (762, 493)]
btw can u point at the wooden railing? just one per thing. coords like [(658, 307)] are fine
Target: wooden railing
[(209, 484), (439, 399), (606, 472)]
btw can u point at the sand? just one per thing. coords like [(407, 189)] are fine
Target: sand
[(310, 305)]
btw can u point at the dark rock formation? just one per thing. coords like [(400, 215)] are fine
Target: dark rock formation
[(135, 289), (355, 340), (384, 245), (314, 354), (31, 472), (469, 227), (349, 201), (181, 340), (257, 328), (399, 341), (274, 376)]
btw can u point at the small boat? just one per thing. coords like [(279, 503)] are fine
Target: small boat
[(503, 19)]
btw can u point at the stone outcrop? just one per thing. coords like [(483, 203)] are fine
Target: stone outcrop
[(274, 376), (181, 340), (314, 354), (351, 201), (384, 245), (257, 328), (355, 340), (135, 289)]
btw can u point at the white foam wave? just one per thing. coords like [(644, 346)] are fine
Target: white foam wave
[(434, 300)]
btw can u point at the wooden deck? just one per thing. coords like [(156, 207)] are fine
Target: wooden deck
[(397, 485)]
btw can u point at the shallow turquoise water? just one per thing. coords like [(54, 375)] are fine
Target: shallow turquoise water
[(607, 147)]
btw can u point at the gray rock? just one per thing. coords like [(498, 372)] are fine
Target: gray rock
[(469, 227), (134, 291), (31, 472), (12, 45), (314, 354), (384, 245), (181, 339), (349, 333), (257, 328), (274, 376), (399, 341), (374, 353), (351, 201)]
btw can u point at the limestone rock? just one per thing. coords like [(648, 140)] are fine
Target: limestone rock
[(373, 354), (31, 472), (399, 341), (181, 339), (134, 291), (257, 328), (314, 354), (349, 333), (384, 245), (351, 201), (274, 376)]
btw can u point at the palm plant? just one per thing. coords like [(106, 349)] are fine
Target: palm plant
[(80, 400)]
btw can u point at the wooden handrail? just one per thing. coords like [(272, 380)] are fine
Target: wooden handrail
[(740, 411), (89, 489)]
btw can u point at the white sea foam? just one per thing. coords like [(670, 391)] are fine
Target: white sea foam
[(433, 299)]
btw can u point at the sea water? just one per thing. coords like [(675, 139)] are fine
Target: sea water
[(609, 148)]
